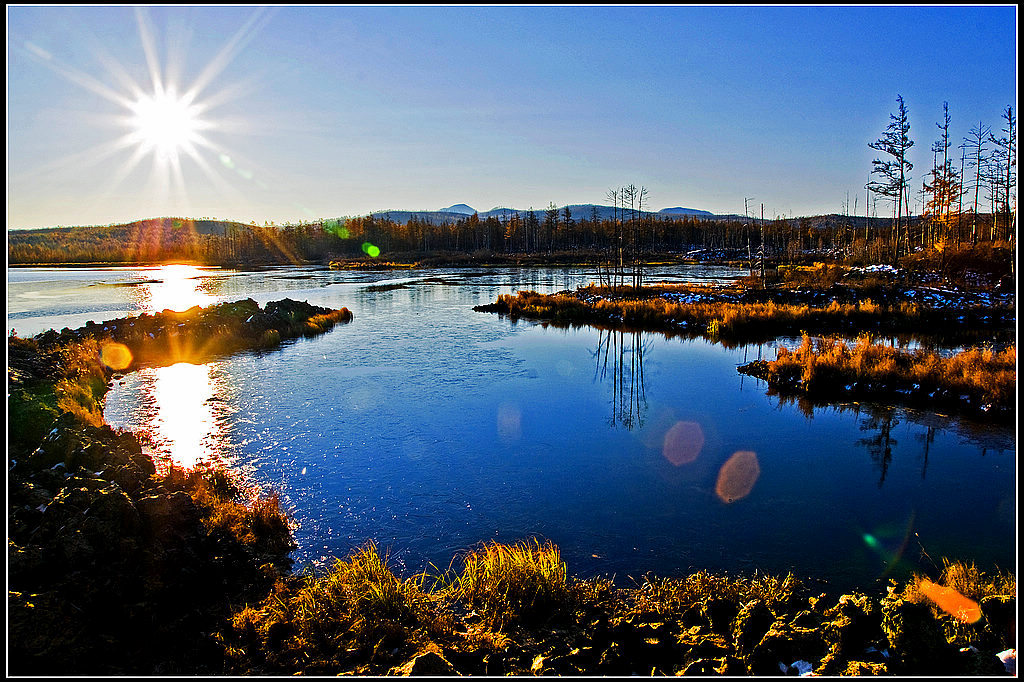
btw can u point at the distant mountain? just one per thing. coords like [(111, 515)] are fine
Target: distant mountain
[(458, 208), (578, 212), (679, 210)]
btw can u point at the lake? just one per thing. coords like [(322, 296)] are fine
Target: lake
[(429, 428)]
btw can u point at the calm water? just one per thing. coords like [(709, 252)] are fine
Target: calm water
[(429, 428)]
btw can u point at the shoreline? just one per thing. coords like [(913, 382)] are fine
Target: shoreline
[(104, 517)]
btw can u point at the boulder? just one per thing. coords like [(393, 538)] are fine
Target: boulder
[(751, 623), (916, 639), (430, 663)]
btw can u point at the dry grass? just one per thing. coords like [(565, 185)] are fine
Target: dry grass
[(676, 595), (828, 366), (521, 583), (359, 608), (258, 523)]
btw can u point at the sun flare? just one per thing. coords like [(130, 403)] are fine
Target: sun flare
[(175, 287), (166, 123), (168, 118)]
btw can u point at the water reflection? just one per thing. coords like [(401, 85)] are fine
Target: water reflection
[(184, 424), (880, 421), (629, 395), (174, 287)]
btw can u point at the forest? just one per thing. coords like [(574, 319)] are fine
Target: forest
[(969, 203), (645, 236)]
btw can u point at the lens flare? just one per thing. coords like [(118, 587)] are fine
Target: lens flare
[(737, 476), (509, 423), (683, 443), (370, 250), (952, 602), (115, 355)]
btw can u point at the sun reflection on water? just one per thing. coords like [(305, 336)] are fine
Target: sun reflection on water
[(185, 428), (175, 287)]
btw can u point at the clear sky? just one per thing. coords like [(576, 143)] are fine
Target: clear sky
[(291, 113)]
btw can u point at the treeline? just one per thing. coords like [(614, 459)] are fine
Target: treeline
[(633, 236), (953, 194)]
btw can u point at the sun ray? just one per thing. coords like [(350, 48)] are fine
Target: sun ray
[(149, 49), (164, 119), (77, 77), (247, 32)]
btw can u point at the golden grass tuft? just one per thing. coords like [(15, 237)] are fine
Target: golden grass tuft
[(520, 583), (259, 523), (676, 595), (317, 621)]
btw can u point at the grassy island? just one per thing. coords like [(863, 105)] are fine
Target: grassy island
[(116, 569), (981, 381), (857, 306)]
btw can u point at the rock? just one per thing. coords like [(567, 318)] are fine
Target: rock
[(702, 667), (1009, 660), (495, 665), (613, 661), (718, 613), (784, 643), (807, 619), (1000, 613), (916, 639), (983, 663), (430, 663), (168, 515), (753, 620), (852, 625)]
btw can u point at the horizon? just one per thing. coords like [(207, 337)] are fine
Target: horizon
[(295, 114)]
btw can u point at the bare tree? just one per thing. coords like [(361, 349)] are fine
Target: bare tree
[(976, 143), (896, 143), (945, 186), (1004, 158)]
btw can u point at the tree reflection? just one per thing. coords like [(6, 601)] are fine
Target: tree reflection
[(880, 420), (623, 359)]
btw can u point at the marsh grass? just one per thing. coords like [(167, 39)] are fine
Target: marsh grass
[(720, 320), (667, 596), (258, 523), (358, 608), (521, 583), (983, 377), (47, 380)]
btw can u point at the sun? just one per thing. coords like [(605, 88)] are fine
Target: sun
[(162, 118), (166, 124)]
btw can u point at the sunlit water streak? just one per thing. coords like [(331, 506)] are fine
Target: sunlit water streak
[(430, 427)]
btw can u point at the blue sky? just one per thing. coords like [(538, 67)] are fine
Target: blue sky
[(326, 111)]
